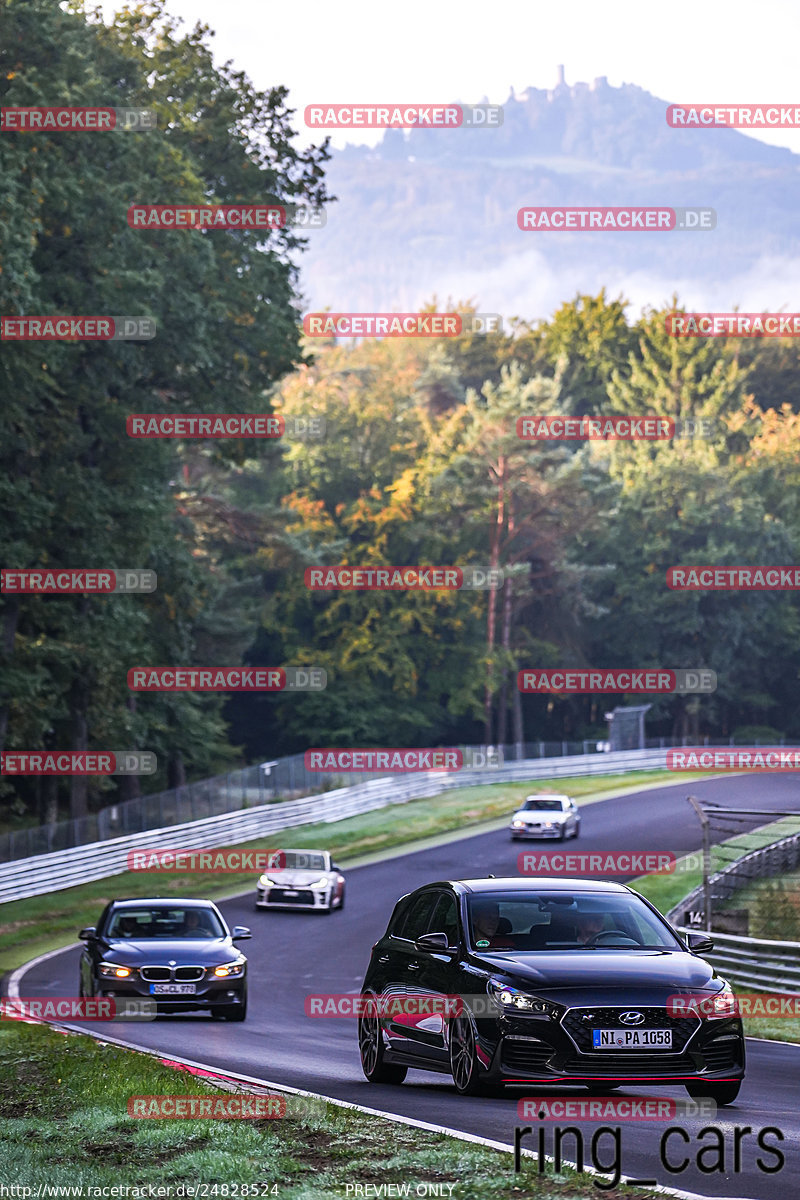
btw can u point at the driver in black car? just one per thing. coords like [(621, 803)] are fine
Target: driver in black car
[(490, 929), (588, 925)]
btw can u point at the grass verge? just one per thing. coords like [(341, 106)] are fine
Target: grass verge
[(62, 913), (63, 1104)]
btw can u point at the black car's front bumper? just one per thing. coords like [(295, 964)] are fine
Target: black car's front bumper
[(521, 1049)]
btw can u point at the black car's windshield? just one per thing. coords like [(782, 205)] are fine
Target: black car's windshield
[(556, 920), (164, 922), (544, 805)]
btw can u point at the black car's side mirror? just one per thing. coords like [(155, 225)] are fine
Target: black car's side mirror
[(436, 942), (88, 934), (240, 933), (698, 942)]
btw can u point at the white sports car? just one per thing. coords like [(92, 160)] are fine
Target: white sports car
[(305, 879), (546, 816)]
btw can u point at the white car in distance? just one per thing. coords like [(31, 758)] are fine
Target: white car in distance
[(546, 815), (302, 879)]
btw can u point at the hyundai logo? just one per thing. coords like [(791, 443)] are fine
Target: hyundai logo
[(631, 1018)]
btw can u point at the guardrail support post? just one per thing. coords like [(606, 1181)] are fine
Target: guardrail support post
[(703, 819)]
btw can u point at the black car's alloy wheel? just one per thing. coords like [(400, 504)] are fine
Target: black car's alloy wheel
[(370, 1045), (464, 1058)]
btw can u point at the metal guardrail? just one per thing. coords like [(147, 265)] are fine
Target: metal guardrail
[(80, 864), (755, 962), (775, 859), (264, 783)]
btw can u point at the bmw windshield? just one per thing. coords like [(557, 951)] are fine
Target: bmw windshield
[(162, 922)]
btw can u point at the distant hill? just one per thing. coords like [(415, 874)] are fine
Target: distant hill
[(434, 211)]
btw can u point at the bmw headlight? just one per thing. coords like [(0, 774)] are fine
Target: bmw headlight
[(514, 1000), (115, 971), (517, 824), (229, 970)]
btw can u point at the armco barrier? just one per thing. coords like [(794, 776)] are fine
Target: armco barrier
[(755, 962), (777, 858), (65, 868), (286, 778)]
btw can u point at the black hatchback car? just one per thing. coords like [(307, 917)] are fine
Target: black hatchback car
[(559, 981), (179, 953)]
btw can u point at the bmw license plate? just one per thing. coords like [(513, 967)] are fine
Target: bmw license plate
[(632, 1039), (173, 989)]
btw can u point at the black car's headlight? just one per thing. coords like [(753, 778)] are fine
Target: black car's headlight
[(720, 1006), (230, 970), (115, 971), (513, 1000)]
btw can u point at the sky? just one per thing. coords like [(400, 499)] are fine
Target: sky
[(422, 51)]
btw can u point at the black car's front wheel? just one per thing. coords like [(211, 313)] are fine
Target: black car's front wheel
[(464, 1066), (720, 1093), (370, 1045)]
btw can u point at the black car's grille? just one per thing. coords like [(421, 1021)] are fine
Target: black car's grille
[(521, 1055), (156, 974), (722, 1055), (580, 1030), (630, 1064), (278, 896), (189, 974)]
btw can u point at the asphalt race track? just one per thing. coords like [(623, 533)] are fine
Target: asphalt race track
[(293, 954)]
